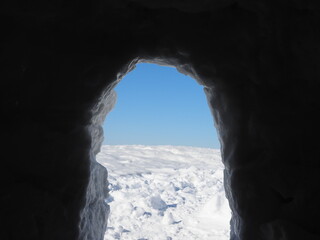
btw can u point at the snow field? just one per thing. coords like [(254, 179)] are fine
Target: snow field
[(165, 193)]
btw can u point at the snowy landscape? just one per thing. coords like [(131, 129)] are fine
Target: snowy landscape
[(165, 193)]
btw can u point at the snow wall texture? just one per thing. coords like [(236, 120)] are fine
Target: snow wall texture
[(257, 60)]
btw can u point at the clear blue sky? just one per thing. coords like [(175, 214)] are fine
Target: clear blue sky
[(157, 105)]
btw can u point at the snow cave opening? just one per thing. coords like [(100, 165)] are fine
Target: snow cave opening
[(162, 154)]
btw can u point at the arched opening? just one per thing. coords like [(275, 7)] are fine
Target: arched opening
[(165, 170), (157, 105)]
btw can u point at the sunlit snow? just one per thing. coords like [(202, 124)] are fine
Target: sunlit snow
[(165, 193)]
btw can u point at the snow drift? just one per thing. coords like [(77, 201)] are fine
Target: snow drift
[(165, 192)]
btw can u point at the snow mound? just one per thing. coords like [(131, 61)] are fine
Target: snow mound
[(165, 192)]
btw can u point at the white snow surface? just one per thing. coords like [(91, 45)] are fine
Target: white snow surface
[(165, 193)]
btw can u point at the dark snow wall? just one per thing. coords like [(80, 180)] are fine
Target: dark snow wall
[(259, 64)]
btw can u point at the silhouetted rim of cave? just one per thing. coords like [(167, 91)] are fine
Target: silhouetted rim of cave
[(259, 63)]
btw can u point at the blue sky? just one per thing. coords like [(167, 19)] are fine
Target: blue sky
[(157, 105)]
